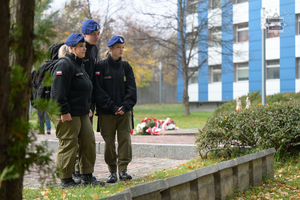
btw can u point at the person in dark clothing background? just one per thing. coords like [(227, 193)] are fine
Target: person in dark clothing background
[(72, 88), (91, 31), (115, 93)]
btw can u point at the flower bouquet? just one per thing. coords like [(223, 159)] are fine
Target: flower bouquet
[(152, 126)]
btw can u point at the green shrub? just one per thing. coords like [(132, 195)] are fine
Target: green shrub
[(265, 126), (255, 99)]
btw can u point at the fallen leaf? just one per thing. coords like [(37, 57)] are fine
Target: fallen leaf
[(120, 189), (96, 196), (127, 183)]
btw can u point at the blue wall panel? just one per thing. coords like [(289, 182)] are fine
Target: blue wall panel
[(203, 47), (254, 45), (227, 48), (180, 82), (287, 47)]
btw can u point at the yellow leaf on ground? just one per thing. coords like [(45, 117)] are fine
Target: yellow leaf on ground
[(96, 196), (120, 189)]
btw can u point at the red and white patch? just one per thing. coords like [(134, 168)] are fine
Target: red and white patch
[(97, 73), (59, 73)]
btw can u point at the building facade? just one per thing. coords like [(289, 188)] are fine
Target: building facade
[(236, 71)]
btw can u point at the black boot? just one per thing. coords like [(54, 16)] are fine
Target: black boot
[(76, 177), (68, 183), (112, 178), (89, 179), (124, 176)]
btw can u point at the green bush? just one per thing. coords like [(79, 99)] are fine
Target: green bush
[(255, 99), (265, 126)]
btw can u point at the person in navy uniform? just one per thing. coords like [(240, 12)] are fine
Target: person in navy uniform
[(90, 29), (72, 89), (115, 90)]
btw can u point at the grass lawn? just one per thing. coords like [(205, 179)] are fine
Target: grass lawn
[(110, 189), (286, 184), (173, 111)]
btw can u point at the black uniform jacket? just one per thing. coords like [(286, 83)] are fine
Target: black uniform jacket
[(90, 59), (89, 62), (114, 86), (71, 86)]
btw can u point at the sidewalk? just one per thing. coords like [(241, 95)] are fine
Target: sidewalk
[(140, 166)]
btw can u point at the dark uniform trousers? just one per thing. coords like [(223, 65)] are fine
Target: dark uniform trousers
[(72, 133), (109, 124), (77, 166)]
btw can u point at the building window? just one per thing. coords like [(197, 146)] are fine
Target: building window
[(298, 24), (191, 7), (215, 36), (193, 77), (242, 72), (191, 40), (239, 1), (241, 32), (273, 68), (216, 74), (298, 68), (215, 4)]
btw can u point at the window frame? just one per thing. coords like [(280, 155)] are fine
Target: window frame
[(268, 66), (188, 39), (211, 42), (237, 30), (238, 1), (214, 72), (214, 5), (194, 76), (241, 68), (190, 4), (297, 68), (297, 24)]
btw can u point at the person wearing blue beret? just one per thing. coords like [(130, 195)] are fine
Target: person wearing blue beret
[(71, 89), (116, 96), (91, 31)]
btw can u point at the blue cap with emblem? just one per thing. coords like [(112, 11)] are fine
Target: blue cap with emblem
[(114, 40), (89, 26), (74, 39)]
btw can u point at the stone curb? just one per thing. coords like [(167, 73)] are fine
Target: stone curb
[(169, 183), (171, 151)]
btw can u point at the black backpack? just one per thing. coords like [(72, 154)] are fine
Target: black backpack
[(39, 90)]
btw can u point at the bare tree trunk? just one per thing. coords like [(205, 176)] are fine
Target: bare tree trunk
[(22, 18), (4, 88), (185, 95)]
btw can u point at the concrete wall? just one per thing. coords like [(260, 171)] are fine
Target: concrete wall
[(214, 182)]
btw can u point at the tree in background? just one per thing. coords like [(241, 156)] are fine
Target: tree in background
[(15, 90), (169, 18), (43, 30), (17, 149)]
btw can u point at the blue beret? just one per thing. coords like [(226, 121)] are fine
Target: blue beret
[(114, 40), (74, 39), (89, 26)]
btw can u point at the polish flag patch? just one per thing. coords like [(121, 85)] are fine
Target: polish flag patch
[(97, 73), (59, 73)]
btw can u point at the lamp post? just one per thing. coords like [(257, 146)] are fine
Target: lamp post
[(263, 57)]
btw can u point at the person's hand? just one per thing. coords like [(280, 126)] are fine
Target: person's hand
[(119, 111), (91, 113), (66, 117)]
